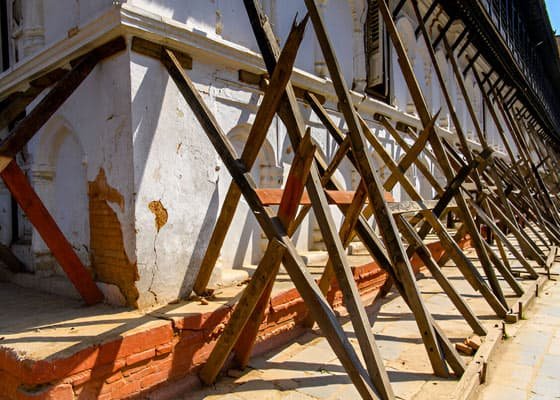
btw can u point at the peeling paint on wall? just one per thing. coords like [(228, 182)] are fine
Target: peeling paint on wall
[(109, 260), (159, 212)]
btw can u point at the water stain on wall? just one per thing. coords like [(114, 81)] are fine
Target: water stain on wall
[(109, 260)]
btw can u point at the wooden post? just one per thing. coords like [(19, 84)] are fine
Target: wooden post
[(63, 89), (255, 297)]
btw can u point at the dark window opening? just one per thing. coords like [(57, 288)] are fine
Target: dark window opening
[(377, 54), (4, 36)]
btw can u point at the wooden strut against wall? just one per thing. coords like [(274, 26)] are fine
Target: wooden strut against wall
[(15, 179), (437, 148)]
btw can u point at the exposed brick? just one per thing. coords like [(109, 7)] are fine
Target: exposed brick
[(164, 364), (102, 371), (139, 357), (113, 378), (164, 349), (128, 388), (139, 371), (8, 384), (59, 392), (145, 340), (153, 379), (135, 363), (204, 320), (79, 378)]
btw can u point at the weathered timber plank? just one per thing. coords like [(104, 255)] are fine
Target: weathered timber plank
[(488, 221), (412, 238), (376, 248), (154, 50), (466, 267), (28, 127), (295, 184), (437, 147), (254, 299), (291, 115)]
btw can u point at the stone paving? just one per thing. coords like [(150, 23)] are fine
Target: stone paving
[(308, 369), (527, 363)]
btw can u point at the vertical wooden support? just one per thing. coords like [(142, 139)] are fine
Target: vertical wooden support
[(17, 183)]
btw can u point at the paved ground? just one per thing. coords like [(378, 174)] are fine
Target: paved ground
[(308, 369), (527, 364)]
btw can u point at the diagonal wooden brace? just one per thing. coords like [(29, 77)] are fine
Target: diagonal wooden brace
[(412, 238), (295, 266), (39, 216), (63, 89), (389, 231), (295, 184)]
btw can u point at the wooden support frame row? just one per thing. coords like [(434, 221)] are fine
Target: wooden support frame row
[(392, 254)]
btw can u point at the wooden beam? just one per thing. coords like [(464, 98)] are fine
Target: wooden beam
[(419, 142), (413, 239), (18, 185), (154, 50), (488, 221), (389, 231), (254, 299)]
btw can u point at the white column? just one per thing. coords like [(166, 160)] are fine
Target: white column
[(33, 29), (320, 65)]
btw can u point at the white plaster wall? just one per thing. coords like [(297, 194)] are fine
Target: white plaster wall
[(62, 15), (175, 164), (98, 116)]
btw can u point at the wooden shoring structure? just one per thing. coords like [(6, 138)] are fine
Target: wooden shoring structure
[(392, 256), (240, 333), (479, 188), (62, 84)]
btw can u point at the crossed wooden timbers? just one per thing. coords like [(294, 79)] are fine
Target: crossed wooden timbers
[(510, 199)]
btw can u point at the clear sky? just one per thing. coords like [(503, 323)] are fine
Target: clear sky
[(553, 7)]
